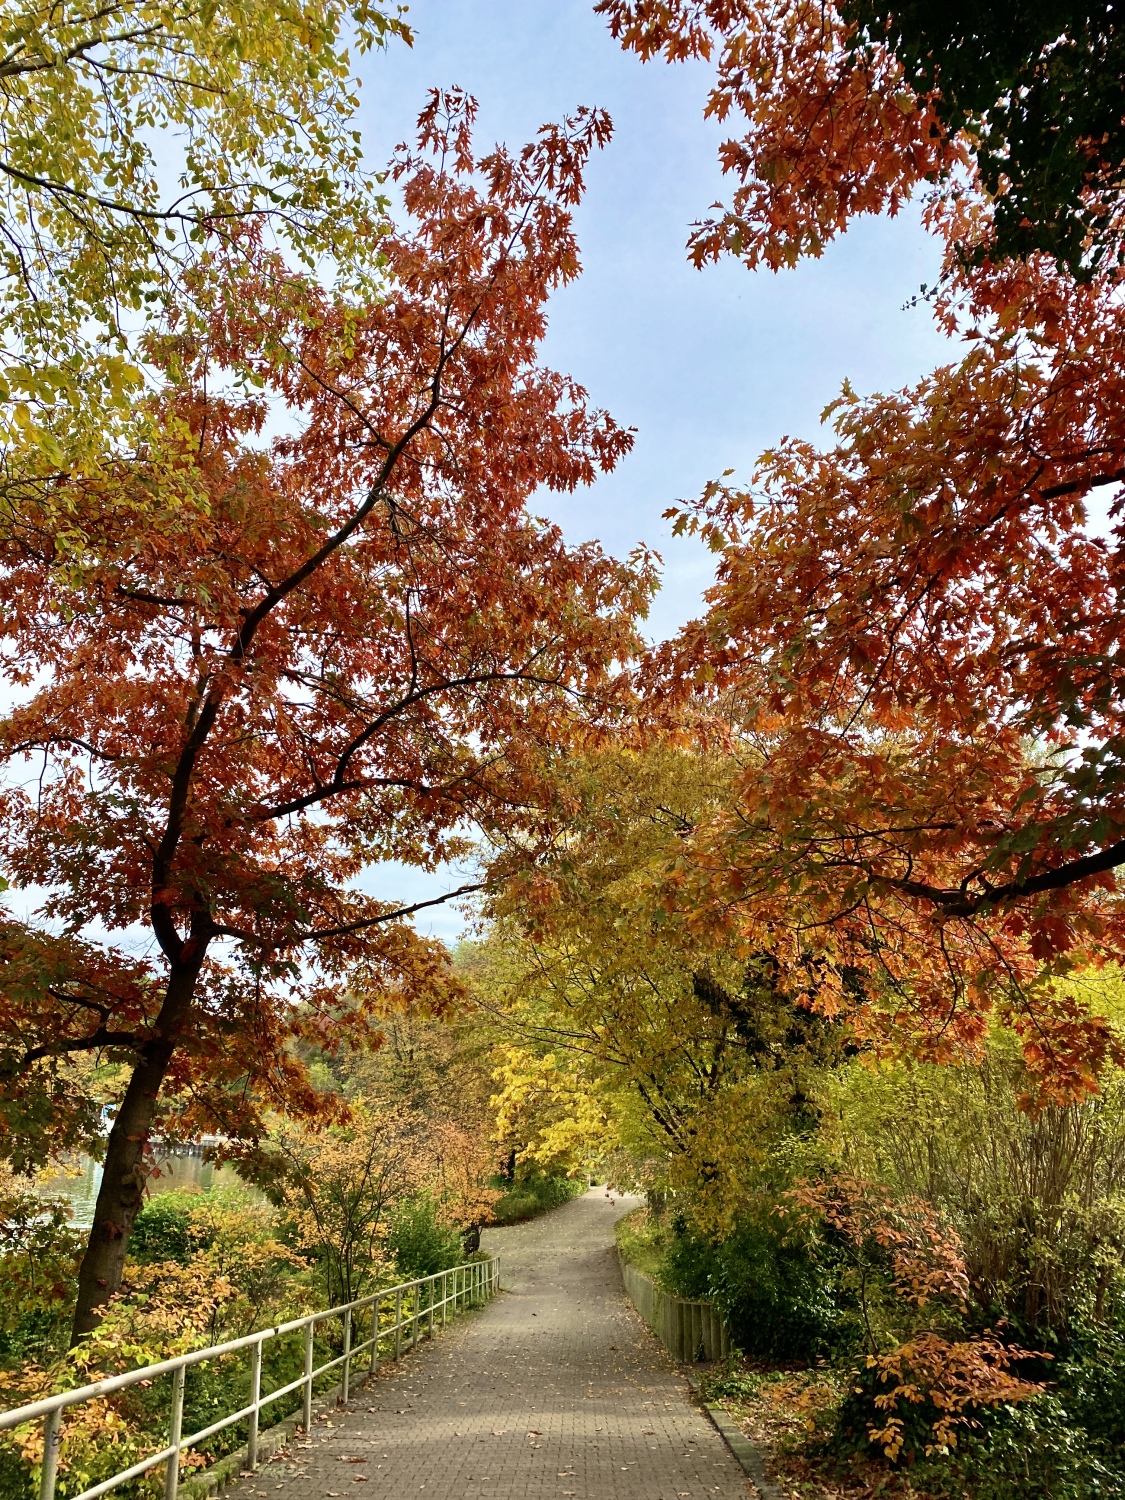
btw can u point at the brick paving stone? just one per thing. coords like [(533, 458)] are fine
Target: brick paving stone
[(555, 1390)]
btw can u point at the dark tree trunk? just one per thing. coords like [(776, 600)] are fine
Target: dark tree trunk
[(123, 1175)]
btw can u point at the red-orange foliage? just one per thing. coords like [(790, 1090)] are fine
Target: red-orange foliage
[(346, 645), (924, 1253), (829, 133), (920, 628), (952, 1378), (956, 1378)]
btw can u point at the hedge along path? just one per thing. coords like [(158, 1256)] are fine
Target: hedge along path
[(555, 1390)]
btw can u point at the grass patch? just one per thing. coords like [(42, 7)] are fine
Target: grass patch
[(644, 1242), (535, 1194)]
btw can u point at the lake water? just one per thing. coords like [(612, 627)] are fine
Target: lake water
[(80, 1188)]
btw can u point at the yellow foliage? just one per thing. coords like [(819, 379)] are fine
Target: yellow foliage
[(551, 1104)]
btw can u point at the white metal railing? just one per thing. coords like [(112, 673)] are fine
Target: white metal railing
[(459, 1287)]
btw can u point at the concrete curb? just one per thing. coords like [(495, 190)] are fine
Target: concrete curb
[(744, 1451), (270, 1439)]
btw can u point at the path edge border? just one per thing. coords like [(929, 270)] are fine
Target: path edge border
[(747, 1456), (270, 1439), (744, 1451)]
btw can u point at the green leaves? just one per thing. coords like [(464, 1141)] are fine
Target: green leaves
[(246, 103)]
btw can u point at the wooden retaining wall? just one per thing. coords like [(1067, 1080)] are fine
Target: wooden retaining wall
[(688, 1330)]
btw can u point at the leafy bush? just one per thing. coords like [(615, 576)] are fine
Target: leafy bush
[(925, 1396), (1091, 1388), (642, 1237), (1028, 1452), (420, 1242), (534, 1193), (779, 1300), (162, 1230), (235, 1275), (39, 1252), (1035, 1195), (732, 1383)]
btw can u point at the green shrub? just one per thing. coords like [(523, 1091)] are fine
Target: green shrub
[(732, 1383), (1066, 1444), (1091, 1386), (642, 1237), (777, 1299), (420, 1243), (534, 1193), (39, 1255), (1027, 1452), (162, 1230)]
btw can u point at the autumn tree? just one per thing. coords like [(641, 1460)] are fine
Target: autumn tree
[(920, 621), (1036, 93), (133, 136), (356, 645), (339, 1187), (623, 1023)]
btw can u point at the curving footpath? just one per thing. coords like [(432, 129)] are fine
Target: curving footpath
[(555, 1390)]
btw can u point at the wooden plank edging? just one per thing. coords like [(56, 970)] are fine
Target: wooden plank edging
[(688, 1330)]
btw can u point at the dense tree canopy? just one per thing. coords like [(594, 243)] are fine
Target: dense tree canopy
[(924, 635), (918, 624), (629, 1025), (1039, 91), (851, 106)]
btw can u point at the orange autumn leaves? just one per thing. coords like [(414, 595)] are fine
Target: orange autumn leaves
[(923, 637), (946, 1379), (826, 133), (916, 631)]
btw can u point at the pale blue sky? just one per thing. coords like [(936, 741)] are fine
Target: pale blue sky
[(710, 367)]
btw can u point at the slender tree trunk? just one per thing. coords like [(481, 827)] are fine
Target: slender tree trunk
[(124, 1173)]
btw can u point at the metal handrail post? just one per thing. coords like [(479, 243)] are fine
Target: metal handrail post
[(306, 1410), (430, 1300), (255, 1403), (171, 1475), (375, 1336), (444, 1297), (345, 1383), (175, 1432), (52, 1442), (398, 1322)]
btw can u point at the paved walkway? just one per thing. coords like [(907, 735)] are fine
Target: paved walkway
[(555, 1390)]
